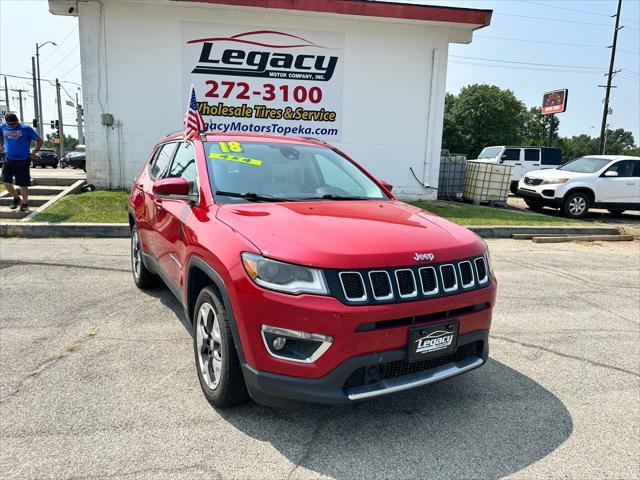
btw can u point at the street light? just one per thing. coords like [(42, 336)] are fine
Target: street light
[(40, 115)]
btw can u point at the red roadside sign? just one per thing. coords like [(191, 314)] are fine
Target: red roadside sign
[(554, 102)]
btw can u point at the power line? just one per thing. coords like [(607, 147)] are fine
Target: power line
[(45, 79), (545, 19), (591, 45), (532, 68), (72, 69), (64, 58), (571, 67), (575, 10), (60, 44)]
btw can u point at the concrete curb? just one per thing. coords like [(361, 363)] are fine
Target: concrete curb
[(505, 231), (45, 230), (122, 230)]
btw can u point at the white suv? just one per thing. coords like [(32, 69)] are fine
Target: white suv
[(599, 181)]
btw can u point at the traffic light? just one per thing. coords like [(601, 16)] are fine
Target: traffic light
[(53, 125), (35, 123)]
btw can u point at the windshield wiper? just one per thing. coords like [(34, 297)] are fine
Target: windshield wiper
[(331, 196), (254, 197)]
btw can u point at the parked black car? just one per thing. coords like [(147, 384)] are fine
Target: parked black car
[(45, 157), (74, 160)]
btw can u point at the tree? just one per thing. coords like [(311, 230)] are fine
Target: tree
[(69, 142), (578, 146), (619, 142), (535, 129), (482, 115)]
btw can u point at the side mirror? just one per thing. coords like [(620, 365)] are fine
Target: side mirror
[(386, 185), (171, 186), (611, 173)]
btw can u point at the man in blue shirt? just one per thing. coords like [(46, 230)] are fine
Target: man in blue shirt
[(15, 140)]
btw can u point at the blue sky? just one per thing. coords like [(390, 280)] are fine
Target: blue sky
[(572, 34)]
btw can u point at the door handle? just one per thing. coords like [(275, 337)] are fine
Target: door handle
[(517, 164), (536, 164), (630, 183)]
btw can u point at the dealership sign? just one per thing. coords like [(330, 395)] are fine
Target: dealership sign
[(554, 102), (249, 79)]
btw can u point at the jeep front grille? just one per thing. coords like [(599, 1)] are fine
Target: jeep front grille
[(417, 282)]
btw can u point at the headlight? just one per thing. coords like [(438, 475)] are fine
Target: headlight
[(284, 277), (554, 181)]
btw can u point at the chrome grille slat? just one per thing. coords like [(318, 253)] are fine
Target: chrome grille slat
[(481, 270), (414, 291), (466, 269), (376, 284), (446, 271), (432, 271), (353, 287)]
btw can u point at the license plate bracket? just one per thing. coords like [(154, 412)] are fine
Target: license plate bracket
[(430, 341)]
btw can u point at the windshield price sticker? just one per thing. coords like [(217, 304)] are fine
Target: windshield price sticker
[(236, 158)]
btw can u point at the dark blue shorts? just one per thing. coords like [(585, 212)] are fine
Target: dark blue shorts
[(18, 169)]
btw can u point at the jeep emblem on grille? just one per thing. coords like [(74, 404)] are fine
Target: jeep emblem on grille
[(424, 256)]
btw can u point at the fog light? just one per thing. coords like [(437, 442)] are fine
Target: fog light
[(294, 345), (279, 343)]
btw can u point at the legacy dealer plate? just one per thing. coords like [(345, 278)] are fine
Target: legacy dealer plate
[(432, 341)]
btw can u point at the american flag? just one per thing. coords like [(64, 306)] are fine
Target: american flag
[(194, 124)]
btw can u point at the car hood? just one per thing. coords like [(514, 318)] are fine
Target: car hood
[(349, 234), (555, 173)]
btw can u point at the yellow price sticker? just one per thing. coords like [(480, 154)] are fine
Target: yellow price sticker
[(236, 158)]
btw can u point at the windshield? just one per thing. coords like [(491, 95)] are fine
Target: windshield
[(585, 165), (284, 171), (490, 152)]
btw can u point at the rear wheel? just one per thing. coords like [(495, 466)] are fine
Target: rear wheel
[(616, 212), (142, 277), (576, 205), (513, 188), (217, 362)]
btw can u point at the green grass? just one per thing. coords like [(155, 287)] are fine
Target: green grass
[(110, 206), (100, 206), (467, 214)]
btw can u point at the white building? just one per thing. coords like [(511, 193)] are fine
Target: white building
[(370, 76)]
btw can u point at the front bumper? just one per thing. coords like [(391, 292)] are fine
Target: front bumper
[(335, 388), (538, 197)]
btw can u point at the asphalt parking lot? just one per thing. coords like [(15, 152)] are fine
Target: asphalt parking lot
[(97, 379)]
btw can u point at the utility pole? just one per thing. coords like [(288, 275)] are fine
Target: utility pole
[(6, 94), (79, 114), (605, 110), (36, 110), (38, 47), (550, 138), (20, 90), (60, 128)]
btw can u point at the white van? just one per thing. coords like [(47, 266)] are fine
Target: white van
[(522, 159)]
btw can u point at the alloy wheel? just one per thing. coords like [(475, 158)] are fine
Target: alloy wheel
[(136, 254), (577, 206), (209, 345)]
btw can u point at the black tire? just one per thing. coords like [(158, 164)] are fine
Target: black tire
[(533, 205), (142, 277), (84, 166), (513, 188), (225, 387), (576, 205), (55, 166), (616, 212)]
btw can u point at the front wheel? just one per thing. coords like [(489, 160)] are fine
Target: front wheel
[(217, 362), (576, 205), (142, 277)]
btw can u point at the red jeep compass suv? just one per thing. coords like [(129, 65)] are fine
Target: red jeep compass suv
[(305, 280)]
